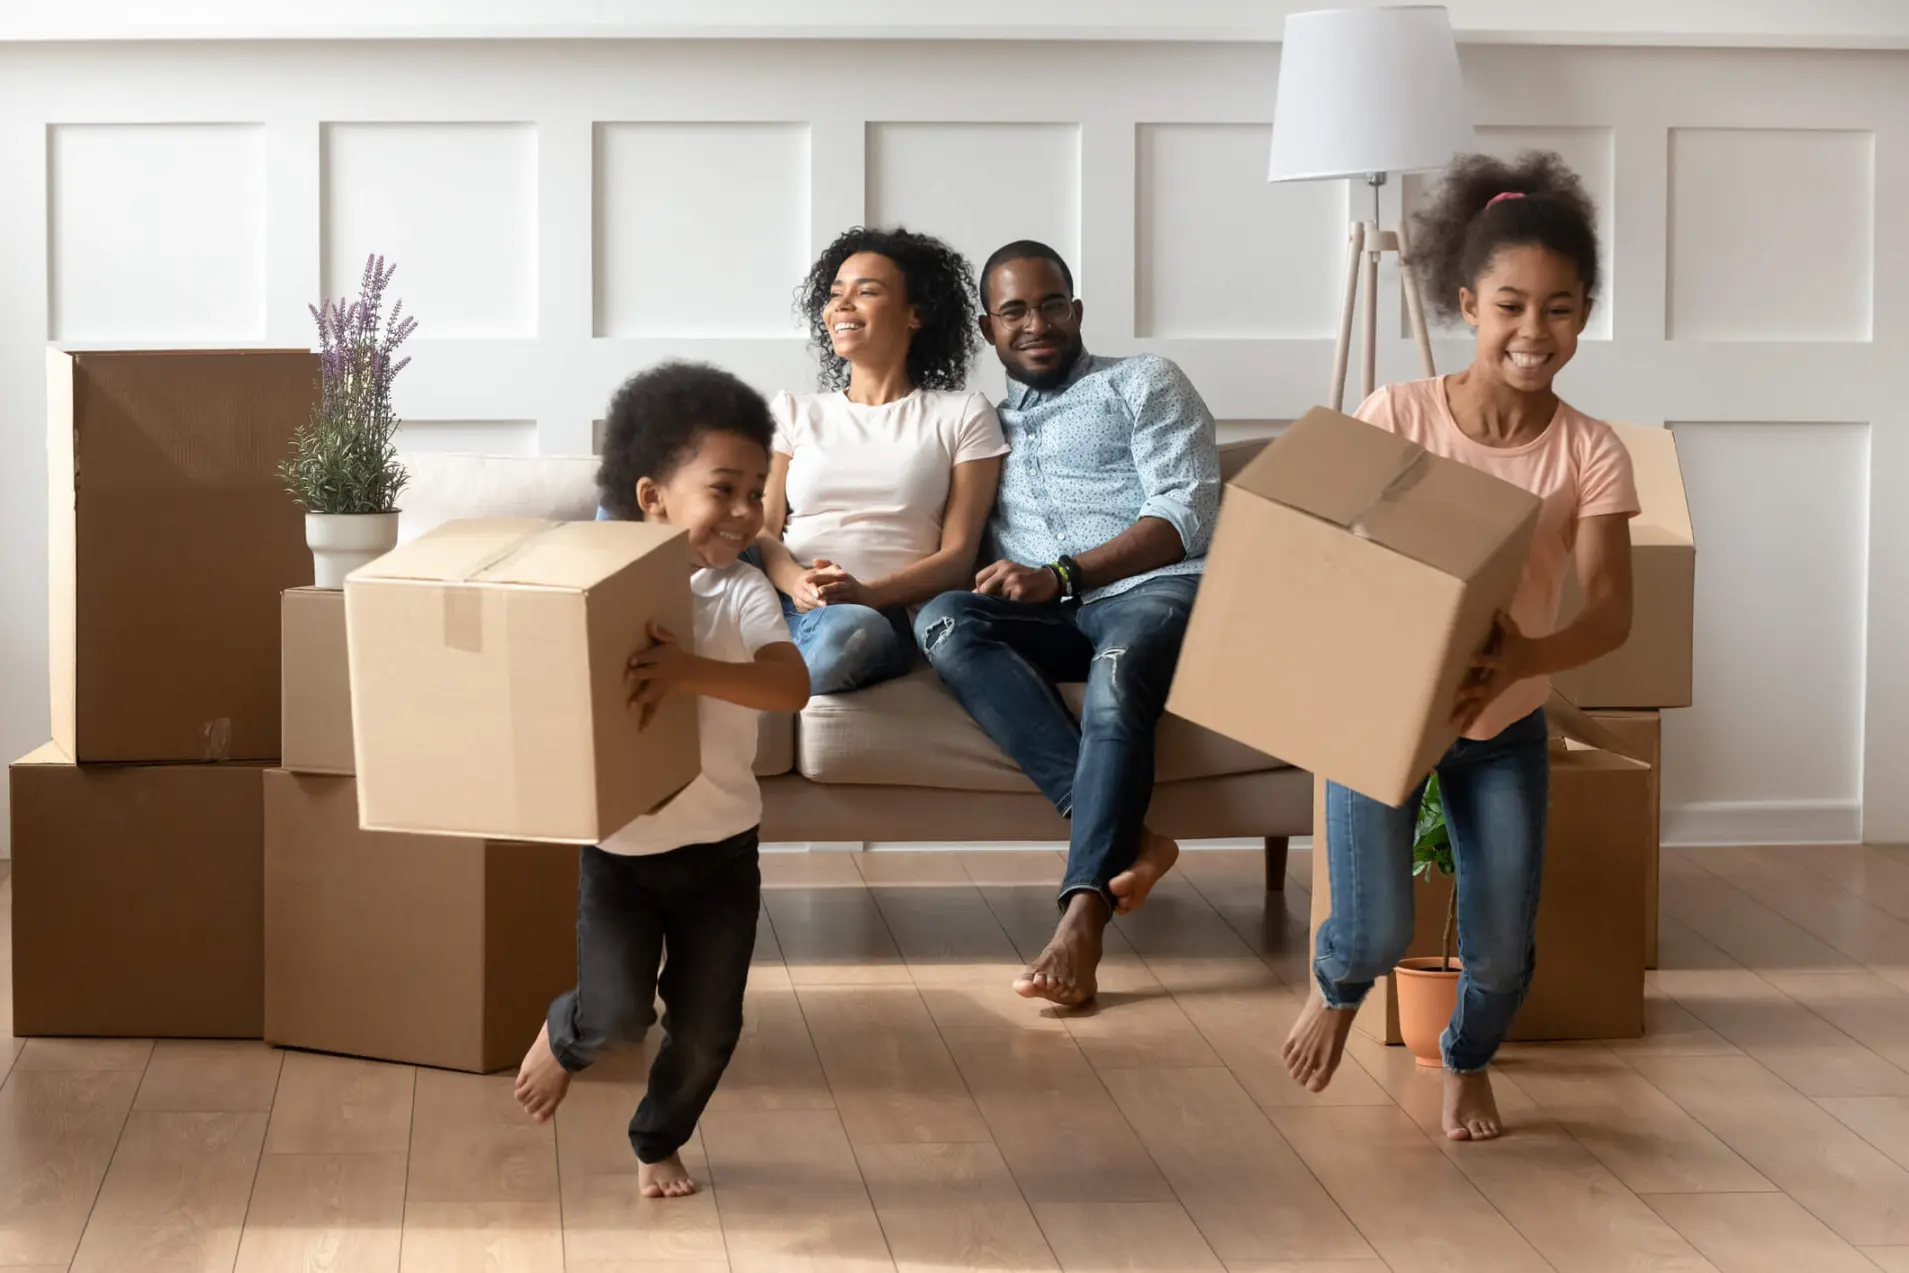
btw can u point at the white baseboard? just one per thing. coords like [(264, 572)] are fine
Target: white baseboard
[(1764, 822)]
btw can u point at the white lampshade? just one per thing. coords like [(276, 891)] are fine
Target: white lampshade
[(1365, 91)]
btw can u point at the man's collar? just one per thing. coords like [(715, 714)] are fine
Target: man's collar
[(1018, 393)]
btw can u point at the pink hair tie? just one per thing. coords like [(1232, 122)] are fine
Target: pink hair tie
[(1500, 198)]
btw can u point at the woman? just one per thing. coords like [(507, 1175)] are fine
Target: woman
[(882, 481)]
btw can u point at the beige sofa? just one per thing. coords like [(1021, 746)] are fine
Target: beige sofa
[(902, 762)]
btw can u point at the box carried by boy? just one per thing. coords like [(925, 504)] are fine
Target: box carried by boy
[(488, 679)]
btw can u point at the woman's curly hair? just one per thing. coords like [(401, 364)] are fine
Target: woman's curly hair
[(940, 286), (1455, 237), (657, 418)]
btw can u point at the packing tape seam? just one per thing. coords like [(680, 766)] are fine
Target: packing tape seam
[(1400, 482), (464, 606)]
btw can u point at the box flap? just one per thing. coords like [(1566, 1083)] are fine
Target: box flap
[(1385, 488), (45, 754), (524, 551), (1660, 486), (1566, 719)]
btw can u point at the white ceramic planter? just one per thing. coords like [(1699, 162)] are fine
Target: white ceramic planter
[(342, 542)]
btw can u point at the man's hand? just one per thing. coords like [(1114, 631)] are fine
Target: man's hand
[(655, 672), (834, 586), (1502, 662), (1035, 585)]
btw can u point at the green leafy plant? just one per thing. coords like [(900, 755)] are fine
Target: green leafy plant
[(345, 458), (1432, 851)]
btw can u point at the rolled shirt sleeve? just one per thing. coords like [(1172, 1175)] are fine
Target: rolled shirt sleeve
[(1176, 450)]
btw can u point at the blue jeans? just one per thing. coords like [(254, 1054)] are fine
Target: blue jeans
[(1495, 806), (1003, 659), (850, 647)]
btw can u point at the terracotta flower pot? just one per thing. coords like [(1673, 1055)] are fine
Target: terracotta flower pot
[(1426, 999)]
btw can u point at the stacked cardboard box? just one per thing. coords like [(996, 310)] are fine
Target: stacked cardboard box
[(1628, 690), (137, 833), (461, 698)]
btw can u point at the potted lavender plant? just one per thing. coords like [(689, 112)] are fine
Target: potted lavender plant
[(344, 468)]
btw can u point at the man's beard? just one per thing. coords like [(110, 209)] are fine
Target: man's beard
[(1043, 381)]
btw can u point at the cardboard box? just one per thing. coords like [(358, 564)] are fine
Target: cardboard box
[(137, 899), (1589, 980), (170, 537), (316, 695), (1352, 577), (1652, 668), (1642, 736), (421, 949), (488, 689)]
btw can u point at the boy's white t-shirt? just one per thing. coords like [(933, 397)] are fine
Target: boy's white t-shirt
[(736, 614), (868, 486)]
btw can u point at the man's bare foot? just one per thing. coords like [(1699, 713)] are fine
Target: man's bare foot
[(1317, 1042), (541, 1080), (1064, 972), (1131, 886), (666, 1179), (1471, 1111)]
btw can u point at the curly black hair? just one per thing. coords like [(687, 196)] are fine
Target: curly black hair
[(657, 418), (1455, 237), (940, 286)]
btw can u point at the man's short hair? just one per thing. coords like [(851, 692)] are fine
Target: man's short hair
[(1022, 250)]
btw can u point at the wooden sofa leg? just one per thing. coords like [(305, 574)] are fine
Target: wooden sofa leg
[(1276, 846)]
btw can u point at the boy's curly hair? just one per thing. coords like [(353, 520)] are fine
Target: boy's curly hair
[(1455, 237), (658, 416), (940, 285)]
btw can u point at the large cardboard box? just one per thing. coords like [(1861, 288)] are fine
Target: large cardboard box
[(137, 899), (488, 679), (170, 537), (1352, 577), (423, 949), (1653, 668), (316, 695), (1589, 980), (1642, 736)]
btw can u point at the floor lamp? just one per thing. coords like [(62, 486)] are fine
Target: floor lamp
[(1365, 93)]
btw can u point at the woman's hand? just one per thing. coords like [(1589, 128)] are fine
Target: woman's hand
[(1504, 660), (655, 672), (834, 586)]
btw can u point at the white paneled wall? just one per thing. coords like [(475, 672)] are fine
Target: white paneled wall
[(563, 213)]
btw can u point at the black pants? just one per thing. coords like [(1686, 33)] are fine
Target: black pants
[(693, 910)]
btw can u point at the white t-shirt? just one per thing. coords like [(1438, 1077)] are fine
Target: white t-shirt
[(736, 614), (868, 486)]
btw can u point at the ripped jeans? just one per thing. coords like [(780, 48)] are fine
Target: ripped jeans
[(1003, 659)]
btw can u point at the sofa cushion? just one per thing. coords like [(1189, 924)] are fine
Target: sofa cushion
[(912, 733), (444, 487), (775, 744)]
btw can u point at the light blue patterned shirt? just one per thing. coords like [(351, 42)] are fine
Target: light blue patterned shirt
[(1120, 439)]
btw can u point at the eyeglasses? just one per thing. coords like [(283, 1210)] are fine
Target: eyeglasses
[(1055, 310)]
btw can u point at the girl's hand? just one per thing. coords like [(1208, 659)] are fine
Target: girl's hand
[(1503, 661), (834, 586), (655, 672)]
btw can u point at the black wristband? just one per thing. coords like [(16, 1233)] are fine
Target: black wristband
[(1060, 577), (1076, 579)]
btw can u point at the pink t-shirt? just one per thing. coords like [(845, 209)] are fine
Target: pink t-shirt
[(1576, 466)]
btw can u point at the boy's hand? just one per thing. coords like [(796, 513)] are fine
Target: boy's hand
[(655, 672)]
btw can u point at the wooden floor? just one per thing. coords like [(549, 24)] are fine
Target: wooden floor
[(893, 1106)]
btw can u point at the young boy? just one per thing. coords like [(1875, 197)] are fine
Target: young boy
[(686, 446)]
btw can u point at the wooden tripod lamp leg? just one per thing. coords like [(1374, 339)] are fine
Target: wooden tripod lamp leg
[(1415, 302), (1342, 354)]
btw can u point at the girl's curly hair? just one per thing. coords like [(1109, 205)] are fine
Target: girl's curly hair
[(940, 286), (1455, 237)]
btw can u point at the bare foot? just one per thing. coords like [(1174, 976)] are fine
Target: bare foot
[(1064, 972), (1317, 1042), (541, 1080), (666, 1179), (1471, 1112), (1131, 886)]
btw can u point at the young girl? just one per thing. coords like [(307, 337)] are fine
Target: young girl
[(1512, 250), (686, 446)]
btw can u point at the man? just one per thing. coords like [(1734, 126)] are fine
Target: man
[(1107, 501)]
